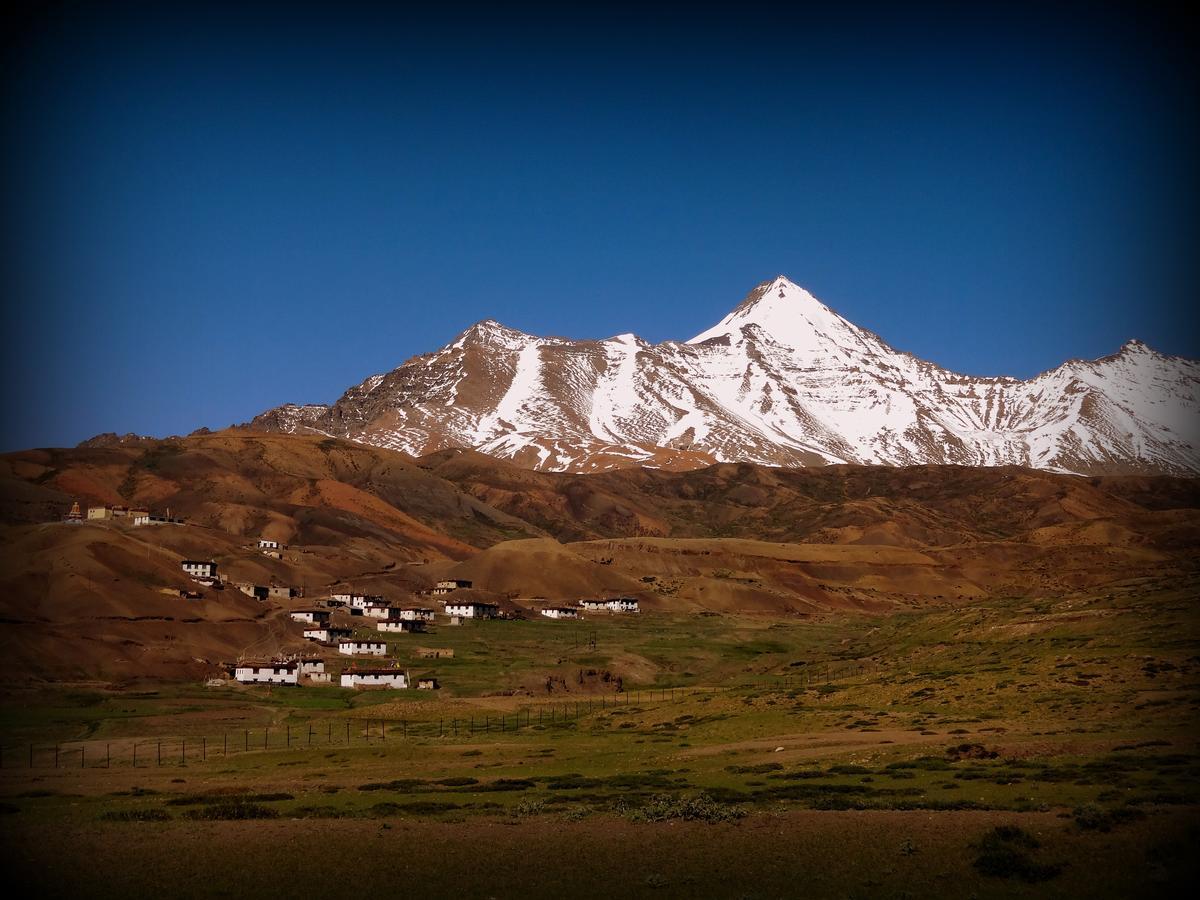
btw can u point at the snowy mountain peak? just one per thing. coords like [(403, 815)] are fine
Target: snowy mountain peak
[(781, 380), (788, 315)]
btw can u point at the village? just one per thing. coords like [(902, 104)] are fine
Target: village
[(347, 630)]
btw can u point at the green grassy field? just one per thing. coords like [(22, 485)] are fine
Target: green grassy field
[(1070, 719)]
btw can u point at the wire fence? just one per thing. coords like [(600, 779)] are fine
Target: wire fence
[(361, 730)]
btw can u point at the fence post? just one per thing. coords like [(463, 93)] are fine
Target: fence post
[(347, 732), (82, 751), (183, 752), (108, 756), (203, 749), (134, 755), (266, 736), (382, 730), (289, 737), (56, 756), (159, 761)]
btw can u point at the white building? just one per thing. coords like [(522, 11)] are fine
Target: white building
[(324, 634), (311, 665), (267, 673), (560, 612), (622, 604), (401, 625), (199, 568), (107, 512), (312, 616), (416, 614), (265, 544), (450, 584), (362, 601), (362, 648), (385, 678), (611, 604), (150, 519), (472, 610), (377, 612)]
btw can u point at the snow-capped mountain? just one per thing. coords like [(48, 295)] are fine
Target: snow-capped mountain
[(781, 380)]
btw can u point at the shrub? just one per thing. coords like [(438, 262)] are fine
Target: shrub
[(1005, 852), (233, 811), (136, 815), (529, 806), (700, 808)]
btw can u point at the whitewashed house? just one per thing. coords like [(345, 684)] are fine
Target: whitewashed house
[(377, 612), (560, 612), (416, 614), (472, 610), (266, 544), (313, 668), (450, 584), (402, 626), (362, 648), (622, 605), (593, 605), (145, 518), (324, 634), (267, 672), (283, 592), (362, 601), (364, 678), (312, 616), (198, 568)]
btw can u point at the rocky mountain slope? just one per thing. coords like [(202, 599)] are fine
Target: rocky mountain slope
[(783, 381)]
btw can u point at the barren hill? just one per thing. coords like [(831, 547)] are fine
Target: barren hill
[(101, 599)]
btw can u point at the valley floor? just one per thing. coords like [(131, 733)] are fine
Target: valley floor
[(1033, 746)]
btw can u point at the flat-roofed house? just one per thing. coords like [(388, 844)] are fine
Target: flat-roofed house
[(267, 544), (362, 601), (361, 677), (472, 609), (146, 518), (416, 614), (377, 611), (324, 634), (560, 612), (312, 616), (199, 568), (362, 648), (267, 672), (593, 605), (283, 592), (402, 626), (622, 605), (450, 584), (259, 592)]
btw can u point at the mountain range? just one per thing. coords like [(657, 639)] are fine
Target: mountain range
[(782, 380)]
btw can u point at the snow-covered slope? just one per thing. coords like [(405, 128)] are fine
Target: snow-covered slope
[(781, 380)]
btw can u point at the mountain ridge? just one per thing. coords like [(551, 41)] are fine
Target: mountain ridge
[(781, 380)]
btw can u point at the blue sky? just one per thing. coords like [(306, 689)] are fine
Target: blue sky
[(212, 209)]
